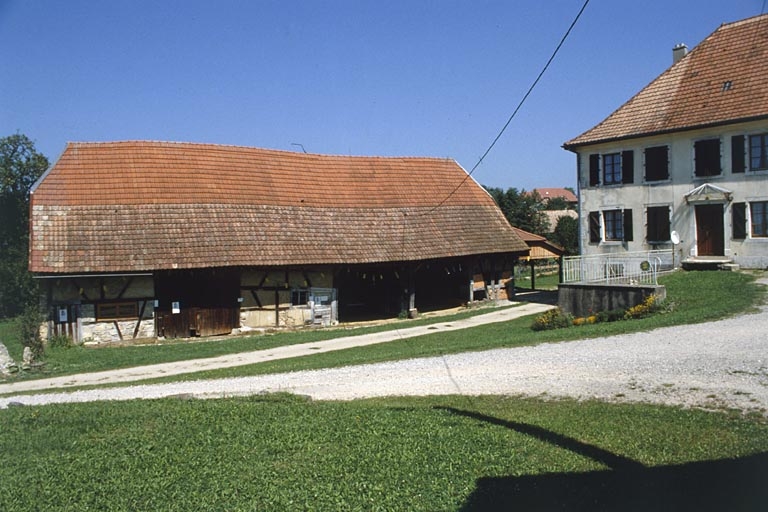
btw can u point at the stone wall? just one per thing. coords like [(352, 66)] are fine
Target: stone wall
[(261, 290), (110, 331), (587, 299), (80, 295)]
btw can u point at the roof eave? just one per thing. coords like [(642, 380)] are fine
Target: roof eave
[(574, 147)]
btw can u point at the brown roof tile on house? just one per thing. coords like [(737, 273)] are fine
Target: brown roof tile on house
[(141, 206), (722, 80), (541, 248), (551, 193)]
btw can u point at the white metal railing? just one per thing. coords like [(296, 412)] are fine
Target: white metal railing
[(618, 268)]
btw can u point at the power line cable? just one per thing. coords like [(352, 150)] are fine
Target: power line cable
[(519, 106)]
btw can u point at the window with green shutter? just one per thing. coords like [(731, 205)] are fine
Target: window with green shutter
[(739, 220), (657, 229), (737, 154), (657, 163)]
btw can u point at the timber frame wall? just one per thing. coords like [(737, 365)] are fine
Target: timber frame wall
[(205, 302)]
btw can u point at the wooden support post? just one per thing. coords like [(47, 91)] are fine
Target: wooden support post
[(513, 281), (533, 275), (128, 283), (277, 307), (411, 294), (493, 292), (81, 291), (138, 322), (408, 285), (117, 328)]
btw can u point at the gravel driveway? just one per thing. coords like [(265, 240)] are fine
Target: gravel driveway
[(711, 365)]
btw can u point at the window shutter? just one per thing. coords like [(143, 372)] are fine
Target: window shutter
[(657, 163), (664, 227), (627, 225), (627, 167), (707, 158), (594, 170), (737, 154), (739, 218), (594, 227)]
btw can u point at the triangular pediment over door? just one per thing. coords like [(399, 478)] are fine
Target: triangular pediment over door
[(707, 194)]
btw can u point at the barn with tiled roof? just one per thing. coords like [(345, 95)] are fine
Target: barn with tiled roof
[(196, 239)]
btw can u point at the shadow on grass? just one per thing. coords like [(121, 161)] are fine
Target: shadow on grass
[(728, 484)]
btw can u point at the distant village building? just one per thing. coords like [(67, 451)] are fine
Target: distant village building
[(547, 194), (143, 239), (554, 216), (684, 162)]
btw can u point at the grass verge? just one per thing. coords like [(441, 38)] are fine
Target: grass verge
[(279, 452), (727, 294), (692, 297), (61, 361)]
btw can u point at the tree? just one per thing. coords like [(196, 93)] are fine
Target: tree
[(524, 210), (20, 166), (557, 203), (566, 234)]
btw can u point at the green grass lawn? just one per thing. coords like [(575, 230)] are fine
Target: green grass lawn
[(9, 336), (546, 279), (417, 454), (730, 293), (692, 297), (280, 452)]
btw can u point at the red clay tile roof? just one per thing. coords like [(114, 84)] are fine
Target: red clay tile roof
[(541, 248), (141, 206), (549, 193), (722, 80)]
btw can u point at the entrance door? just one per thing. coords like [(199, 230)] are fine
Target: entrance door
[(709, 230), (200, 302)]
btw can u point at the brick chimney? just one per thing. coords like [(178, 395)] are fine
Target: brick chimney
[(678, 52)]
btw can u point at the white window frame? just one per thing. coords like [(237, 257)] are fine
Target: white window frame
[(750, 233), (748, 151)]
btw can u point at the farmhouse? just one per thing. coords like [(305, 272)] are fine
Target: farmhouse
[(139, 239), (684, 162)]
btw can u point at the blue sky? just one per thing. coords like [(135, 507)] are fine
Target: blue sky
[(348, 77)]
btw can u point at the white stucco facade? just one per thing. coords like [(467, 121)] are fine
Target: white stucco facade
[(726, 218)]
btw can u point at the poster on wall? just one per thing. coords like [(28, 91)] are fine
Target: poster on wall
[(62, 315), (175, 308)]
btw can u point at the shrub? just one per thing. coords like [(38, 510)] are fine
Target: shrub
[(610, 316), (552, 319), (29, 330), (645, 308), (60, 341), (583, 320)]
